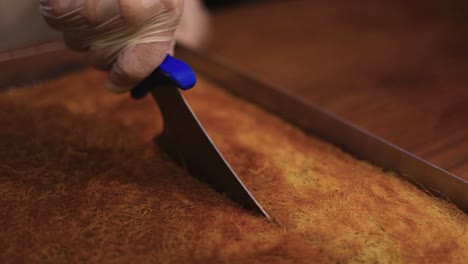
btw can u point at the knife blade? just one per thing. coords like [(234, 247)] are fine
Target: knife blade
[(185, 139)]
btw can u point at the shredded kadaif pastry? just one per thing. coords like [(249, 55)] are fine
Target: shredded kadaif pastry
[(82, 181)]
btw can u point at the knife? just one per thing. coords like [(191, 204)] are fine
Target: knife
[(185, 139)]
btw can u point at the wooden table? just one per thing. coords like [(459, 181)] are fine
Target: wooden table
[(398, 70)]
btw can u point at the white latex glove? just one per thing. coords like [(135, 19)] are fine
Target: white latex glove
[(129, 38)]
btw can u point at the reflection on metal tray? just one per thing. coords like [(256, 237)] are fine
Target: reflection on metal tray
[(25, 67)]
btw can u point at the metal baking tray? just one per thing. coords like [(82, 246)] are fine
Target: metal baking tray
[(49, 60)]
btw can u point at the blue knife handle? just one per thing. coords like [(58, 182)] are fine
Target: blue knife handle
[(171, 70)]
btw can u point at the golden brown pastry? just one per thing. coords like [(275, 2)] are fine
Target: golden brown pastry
[(81, 180)]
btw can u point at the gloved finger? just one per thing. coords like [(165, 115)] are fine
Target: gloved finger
[(137, 12), (83, 40), (158, 30), (61, 14), (123, 40), (104, 58), (102, 16), (98, 12), (136, 63), (79, 15), (105, 38)]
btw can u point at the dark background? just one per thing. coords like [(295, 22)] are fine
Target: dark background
[(225, 3), (399, 69)]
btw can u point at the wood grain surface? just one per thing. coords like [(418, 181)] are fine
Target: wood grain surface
[(396, 69)]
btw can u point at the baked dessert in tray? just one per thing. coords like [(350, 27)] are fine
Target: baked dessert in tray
[(81, 180)]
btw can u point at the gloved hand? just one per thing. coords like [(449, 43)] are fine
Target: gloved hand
[(129, 38)]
